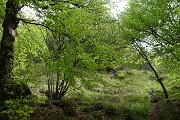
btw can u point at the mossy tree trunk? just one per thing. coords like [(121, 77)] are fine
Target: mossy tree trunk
[(7, 46)]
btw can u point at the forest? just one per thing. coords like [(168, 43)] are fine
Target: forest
[(79, 60)]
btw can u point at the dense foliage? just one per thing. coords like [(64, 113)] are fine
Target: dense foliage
[(66, 46)]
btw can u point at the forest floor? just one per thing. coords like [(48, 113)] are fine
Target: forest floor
[(125, 97)]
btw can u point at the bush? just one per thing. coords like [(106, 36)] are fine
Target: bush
[(17, 109)]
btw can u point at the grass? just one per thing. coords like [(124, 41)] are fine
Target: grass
[(118, 98), (128, 92)]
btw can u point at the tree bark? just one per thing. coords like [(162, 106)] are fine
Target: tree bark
[(7, 46)]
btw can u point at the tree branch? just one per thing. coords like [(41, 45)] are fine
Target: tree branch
[(58, 1), (34, 23), (156, 35)]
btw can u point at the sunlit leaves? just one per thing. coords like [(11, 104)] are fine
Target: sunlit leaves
[(2, 10), (157, 24), (30, 49)]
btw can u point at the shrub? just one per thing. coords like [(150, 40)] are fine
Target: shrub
[(17, 109)]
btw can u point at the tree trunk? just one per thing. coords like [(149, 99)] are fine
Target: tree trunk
[(57, 85), (153, 69), (7, 46)]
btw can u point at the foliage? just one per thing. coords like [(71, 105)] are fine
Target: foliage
[(68, 45), (156, 25), (17, 109), (30, 51), (73, 54), (2, 10)]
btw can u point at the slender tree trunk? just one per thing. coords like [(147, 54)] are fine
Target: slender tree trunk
[(7, 46), (63, 87), (57, 85), (159, 79)]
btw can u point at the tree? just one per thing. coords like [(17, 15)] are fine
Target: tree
[(150, 22), (7, 45), (73, 54), (61, 19), (11, 20)]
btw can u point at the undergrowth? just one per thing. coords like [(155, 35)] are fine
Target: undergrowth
[(119, 98)]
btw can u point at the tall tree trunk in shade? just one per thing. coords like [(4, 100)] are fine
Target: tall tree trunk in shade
[(7, 46)]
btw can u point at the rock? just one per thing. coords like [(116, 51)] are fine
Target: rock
[(112, 71), (111, 111), (17, 90), (99, 106), (69, 109), (88, 109), (129, 117)]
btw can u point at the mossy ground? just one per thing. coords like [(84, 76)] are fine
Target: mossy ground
[(124, 97)]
